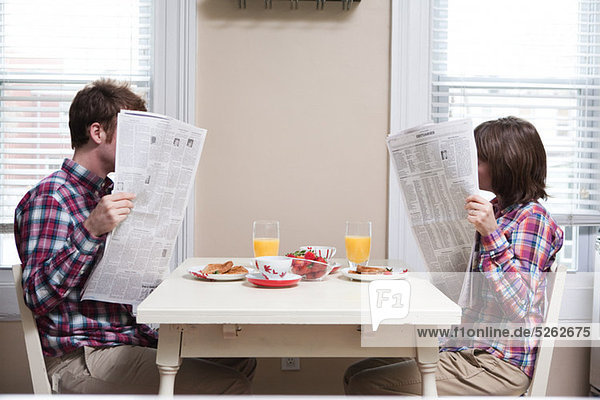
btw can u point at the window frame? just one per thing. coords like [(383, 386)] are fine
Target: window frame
[(174, 87)]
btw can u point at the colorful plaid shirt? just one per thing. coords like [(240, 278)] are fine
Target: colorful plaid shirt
[(509, 290), (58, 253)]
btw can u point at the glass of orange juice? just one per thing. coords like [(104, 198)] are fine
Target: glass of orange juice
[(265, 238), (358, 243)]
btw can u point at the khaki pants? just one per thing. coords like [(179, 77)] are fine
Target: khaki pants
[(468, 372), (132, 369)]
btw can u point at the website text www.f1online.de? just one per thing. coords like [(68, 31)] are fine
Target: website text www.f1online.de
[(514, 332)]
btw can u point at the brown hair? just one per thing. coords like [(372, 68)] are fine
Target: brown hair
[(100, 102), (516, 159)]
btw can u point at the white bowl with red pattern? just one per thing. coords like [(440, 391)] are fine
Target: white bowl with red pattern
[(274, 267), (327, 252)]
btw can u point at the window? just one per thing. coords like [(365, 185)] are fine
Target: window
[(538, 60), (153, 47), (48, 51), (483, 59)]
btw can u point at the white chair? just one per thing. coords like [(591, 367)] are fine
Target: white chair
[(37, 366), (541, 373)]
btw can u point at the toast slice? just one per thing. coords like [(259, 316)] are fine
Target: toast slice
[(371, 270), (238, 269), (218, 268)]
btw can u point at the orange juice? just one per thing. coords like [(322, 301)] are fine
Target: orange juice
[(266, 247), (358, 248)]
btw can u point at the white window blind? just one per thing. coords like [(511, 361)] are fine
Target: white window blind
[(48, 51), (535, 59)]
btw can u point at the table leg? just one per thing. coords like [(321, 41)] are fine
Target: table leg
[(427, 359), (168, 358), (428, 385), (167, 380)]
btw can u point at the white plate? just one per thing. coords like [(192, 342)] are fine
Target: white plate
[(197, 272), (396, 273)]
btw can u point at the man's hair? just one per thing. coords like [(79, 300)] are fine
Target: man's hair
[(516, 159), (100, 102)]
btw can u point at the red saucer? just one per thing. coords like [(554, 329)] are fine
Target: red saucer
[(259, 280)]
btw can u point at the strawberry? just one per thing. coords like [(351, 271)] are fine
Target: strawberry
[(309, 255)]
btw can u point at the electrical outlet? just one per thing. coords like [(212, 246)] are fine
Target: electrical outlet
[(290, 364)]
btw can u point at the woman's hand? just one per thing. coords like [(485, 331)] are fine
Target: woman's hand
[(481, 214)]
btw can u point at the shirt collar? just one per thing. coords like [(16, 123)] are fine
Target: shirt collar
[(499, 213), (85, 177)]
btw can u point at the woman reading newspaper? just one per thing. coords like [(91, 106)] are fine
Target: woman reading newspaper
[(516, 244)]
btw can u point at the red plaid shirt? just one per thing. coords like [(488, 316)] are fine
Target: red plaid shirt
[(58, 253), (509, 276)]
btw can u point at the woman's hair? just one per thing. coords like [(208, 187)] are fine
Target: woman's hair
[(100, 102), (516, 159)]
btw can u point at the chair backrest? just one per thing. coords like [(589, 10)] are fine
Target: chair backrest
[(37, 366), (541, 373)]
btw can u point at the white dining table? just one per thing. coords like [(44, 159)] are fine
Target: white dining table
[(199, 318)]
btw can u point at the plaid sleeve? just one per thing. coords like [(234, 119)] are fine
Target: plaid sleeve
[(515, 269), (55, 252)]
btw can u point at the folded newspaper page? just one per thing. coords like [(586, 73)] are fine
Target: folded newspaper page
[(156, 158), (436, 166)]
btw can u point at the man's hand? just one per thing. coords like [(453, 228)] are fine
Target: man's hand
[(481, 214), (110, 212)]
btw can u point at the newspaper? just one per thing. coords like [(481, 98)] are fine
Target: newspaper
[(436, 166), (156, 158)]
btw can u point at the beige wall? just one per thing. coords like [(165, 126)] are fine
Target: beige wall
[(14, 377), (296, 107)]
